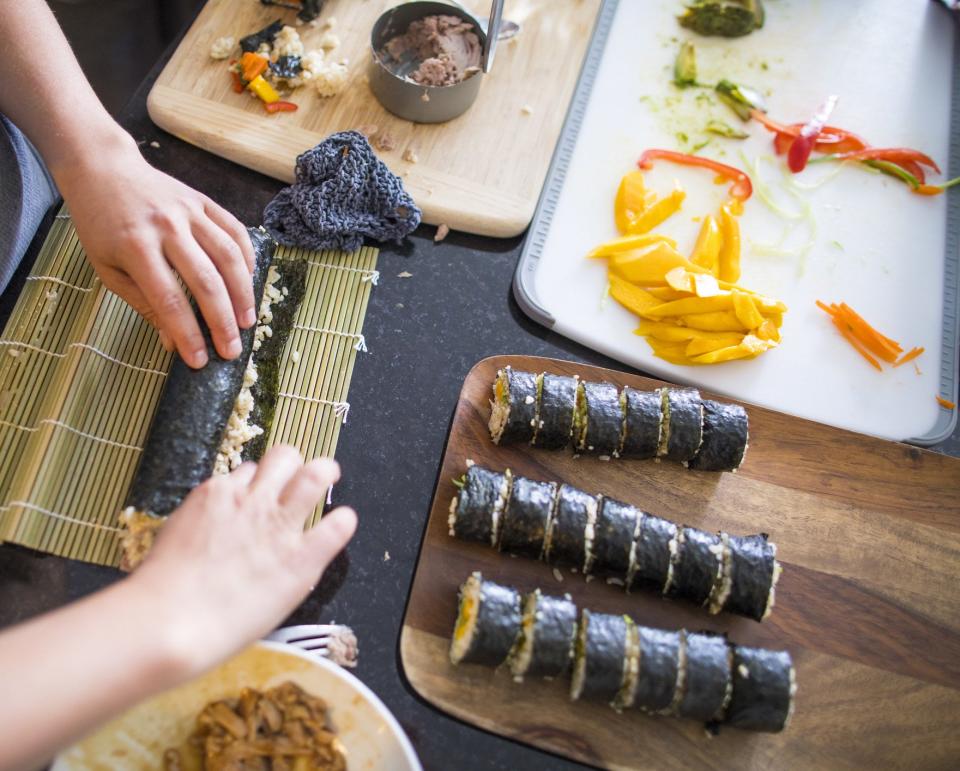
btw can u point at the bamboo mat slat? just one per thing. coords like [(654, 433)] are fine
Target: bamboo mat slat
[(81, 374)]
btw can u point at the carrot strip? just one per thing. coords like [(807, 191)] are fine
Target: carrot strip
[(946, 403), (882, 346), (909, 356), (893, 343), (828, 308), (845, 331)]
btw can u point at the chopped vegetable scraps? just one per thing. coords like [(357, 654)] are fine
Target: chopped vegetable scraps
[(685, 67), (869, 343), (741, 189), (802, 146), (945, 403)]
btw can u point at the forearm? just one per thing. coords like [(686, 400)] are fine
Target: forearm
[(68, 671)]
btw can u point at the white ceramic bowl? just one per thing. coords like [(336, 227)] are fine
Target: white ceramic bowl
[(136, 740)]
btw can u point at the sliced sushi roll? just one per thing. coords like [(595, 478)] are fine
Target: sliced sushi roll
[(599, 419), (513, 410), (488, 623), (571, 533), (475, 512), (682, 424), (708, 683), (601, 653), (753, 575), (661, 669), (697, 565), (651, 566), (558, 401), (764, 686), (725, 436), (547, 636), (527, 516), (617, 527), (642, 419)]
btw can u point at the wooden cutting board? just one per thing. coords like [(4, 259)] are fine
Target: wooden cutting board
[(868, 532), (481, 172)]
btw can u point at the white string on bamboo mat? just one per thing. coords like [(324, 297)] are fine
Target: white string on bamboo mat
[(29, 347), (340, 409), (85, 347), (64, 517), (61, 282), (71, 429), (373, 276), (360, 345)]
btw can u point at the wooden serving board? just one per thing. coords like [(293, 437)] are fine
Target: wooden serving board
[(868, 533), (481, 172)]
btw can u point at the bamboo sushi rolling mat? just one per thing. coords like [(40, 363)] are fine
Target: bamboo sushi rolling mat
[(81, 374)]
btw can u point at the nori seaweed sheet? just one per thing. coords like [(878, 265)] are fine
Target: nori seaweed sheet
[(268, 359), (553, 634), (557, 402), (725, 431), (606, 655), (751, 575), (476, 502), (604, 418), (659, 666), (616, 526), (497, 625), (642, 421), (522, 388), (653, 553), (286, 67), (761, 689), (708, 676), (697, 566), (567, 541), (193, 411), (251, 43), (526, 517), (686, 423)]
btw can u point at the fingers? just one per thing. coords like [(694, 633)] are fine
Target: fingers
[(229, 224), (277, 467), (308, 487), (244, 473), (328, 537), (226, 255)]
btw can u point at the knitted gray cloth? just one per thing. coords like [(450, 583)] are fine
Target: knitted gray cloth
[(342, 193)]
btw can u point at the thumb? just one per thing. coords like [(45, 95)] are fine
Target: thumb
[(326, 539)]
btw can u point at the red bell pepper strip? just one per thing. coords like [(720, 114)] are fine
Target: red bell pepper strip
[(893, 154), (237, 83), (831, 139), (280, 107), (741, 189), (803, 145)]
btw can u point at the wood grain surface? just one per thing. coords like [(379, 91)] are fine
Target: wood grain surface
[(481, 172), (868, 533)]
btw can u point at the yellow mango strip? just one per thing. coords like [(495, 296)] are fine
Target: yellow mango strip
[(626, 243), (691, 305), (630, 200), (717, 321), (707, 249), (668, 331), (745, 310), (680, 280), (631, 297), (666, 293), (768, 330), (728, 267), (749, 348), (648, 267), (705, 286), (699, 346), (657, 212), (675, 353)]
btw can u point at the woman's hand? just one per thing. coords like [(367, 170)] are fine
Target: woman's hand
[(138, 225), (234, 560)]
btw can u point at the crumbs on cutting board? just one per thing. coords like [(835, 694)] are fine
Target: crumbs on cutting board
[(404, 274)]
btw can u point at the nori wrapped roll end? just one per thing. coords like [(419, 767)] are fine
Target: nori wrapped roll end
[(754, 572), (513, 409), (726, 433), (476, 511), (547, 636), (764, 687), (488, 623)]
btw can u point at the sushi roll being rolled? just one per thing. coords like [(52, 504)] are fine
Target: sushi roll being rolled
[(476, 511), (599, 419), (642, 419), (571, 533), (725, 436), (617, 527), (547, 636), (764, 686), (661, 671), (708, 684), (524, 523), (682, 424), (753, 575), (488, 623), (558, 401), (513, 410), (601, 658), (697, 565), (651, 566)]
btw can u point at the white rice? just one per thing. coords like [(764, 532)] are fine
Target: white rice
[(721, 591)]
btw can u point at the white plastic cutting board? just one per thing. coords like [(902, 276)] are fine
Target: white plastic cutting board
[(876, 246)]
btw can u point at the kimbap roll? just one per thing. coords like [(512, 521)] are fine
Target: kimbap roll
[(764, 685), (570, 536), (558, 400), (599, 419), (617, 526), (601, 667), (488, 623), (476, 511), (659, 680), (708, 683), (682, 423), (725, 435), (754, 572), (697, 565), (642, 419), (513, 410), (527, 516), (651, 566), (548, 632)]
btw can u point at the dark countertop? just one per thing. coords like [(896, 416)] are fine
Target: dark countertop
[(424, 334)]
